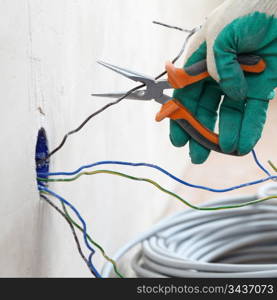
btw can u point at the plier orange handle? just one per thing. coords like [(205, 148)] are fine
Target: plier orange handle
[(172, 108)]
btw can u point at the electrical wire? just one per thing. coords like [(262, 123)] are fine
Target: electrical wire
[(221, 244), (72, 230), (179, 180), (170, 26), (191, 32), (87, 120), (272, 166), (93, 242), (259, 164), (73, 223), (158, 186), (43, 189)]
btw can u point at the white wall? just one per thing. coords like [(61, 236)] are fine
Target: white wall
[(48, 51)]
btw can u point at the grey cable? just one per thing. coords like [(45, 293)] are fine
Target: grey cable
[(238, 243)]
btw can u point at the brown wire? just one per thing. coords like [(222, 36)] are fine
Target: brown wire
[(112, 104), (72, 229)]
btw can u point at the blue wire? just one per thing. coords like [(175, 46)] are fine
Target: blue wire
[(259, 164), (168, 174), (42, 188)]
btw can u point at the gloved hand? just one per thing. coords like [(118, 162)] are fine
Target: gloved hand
[(235, 27)]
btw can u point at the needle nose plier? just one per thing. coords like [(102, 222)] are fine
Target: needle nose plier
[(172, 108)]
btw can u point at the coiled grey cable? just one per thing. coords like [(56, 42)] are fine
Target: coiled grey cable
[(238, 243)]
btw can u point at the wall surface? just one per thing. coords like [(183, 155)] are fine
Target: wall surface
[(48, 53)]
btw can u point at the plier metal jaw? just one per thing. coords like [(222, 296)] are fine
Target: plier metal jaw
[(172, 108), (154, 88)]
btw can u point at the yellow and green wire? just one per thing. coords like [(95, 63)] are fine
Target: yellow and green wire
[(272, 166), (94, 243)]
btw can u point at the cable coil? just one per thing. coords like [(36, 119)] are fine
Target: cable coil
[(240, 243)]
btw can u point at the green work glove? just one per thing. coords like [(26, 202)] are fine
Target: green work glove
[(235, 27)]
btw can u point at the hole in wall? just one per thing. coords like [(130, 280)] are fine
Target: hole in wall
[(41, 153)]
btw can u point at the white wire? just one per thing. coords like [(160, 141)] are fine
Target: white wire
[(234, 243)]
